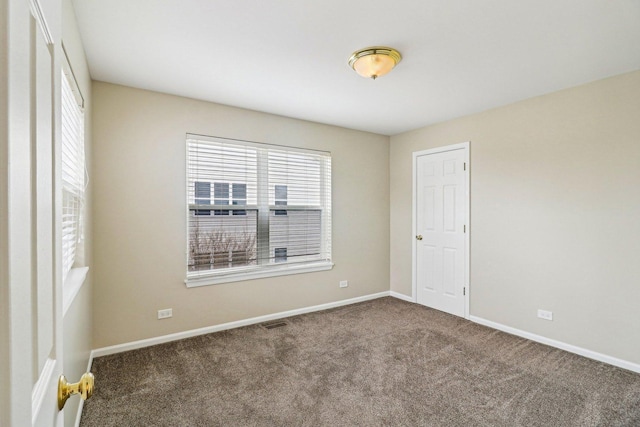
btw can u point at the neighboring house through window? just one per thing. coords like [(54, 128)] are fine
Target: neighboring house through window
[(250, 234), (221, 197), (238, 193), (239, 197), (280, 198), (281, 254), (202, 197)]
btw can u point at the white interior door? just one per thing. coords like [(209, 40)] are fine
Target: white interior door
[(47, 332), (30, 252), (440, 218)]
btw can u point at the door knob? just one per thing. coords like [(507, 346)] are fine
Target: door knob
[(419, 237), (84, 388)]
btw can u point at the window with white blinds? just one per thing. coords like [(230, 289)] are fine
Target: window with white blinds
[(255, 210), (73, 172)]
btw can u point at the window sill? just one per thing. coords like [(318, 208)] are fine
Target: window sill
[(72, 284), (258, 273)]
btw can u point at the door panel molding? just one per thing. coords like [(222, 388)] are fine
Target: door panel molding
[(465, 146), (41, 387)]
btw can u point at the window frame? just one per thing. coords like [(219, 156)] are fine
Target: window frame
[(280, 255), (280, 201), (262, 269), (74, 270)]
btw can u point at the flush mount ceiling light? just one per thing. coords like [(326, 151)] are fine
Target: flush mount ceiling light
[(373, 62)]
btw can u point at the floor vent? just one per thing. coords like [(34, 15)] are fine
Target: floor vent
[(273, 325)]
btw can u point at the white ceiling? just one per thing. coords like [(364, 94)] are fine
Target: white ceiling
[(289, 57)]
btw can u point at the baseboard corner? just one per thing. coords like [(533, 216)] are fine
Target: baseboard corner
[(402, 297)]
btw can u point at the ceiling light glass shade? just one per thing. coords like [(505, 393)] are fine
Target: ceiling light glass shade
[(373, 62)]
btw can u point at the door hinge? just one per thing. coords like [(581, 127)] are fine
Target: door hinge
[(464, 228), (465, 165), (464, 291)]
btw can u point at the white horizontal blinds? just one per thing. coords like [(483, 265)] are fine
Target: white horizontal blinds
[(73, 174), (222, 196), (256, 205), (297, 201)]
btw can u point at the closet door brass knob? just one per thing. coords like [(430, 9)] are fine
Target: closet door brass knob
[(84, 388), (419, 237)]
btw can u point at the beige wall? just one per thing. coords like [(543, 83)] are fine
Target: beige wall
[(139, 215), (78, 319), (555, 213)]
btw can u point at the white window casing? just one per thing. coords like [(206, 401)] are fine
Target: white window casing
[(250, 203)]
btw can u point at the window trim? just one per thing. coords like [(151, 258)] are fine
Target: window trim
[(243, 273), (72, 285), (75, 277), (256, 272)]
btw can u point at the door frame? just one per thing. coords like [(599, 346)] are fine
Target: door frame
[(15, 200), (414, 206)]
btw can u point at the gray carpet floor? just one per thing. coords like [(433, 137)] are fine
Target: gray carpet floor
[(384, 362)]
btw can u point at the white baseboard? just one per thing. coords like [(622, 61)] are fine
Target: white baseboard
[(559, 344), (403, 297), (104, 351)]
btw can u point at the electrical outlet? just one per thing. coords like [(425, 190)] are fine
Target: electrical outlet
[(165, 314), (544, 314), (344, 283)]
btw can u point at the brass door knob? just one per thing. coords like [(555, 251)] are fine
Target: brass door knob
[(84, 388), (419, 237)]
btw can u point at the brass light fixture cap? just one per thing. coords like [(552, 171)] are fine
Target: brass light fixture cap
[(375, 61)]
